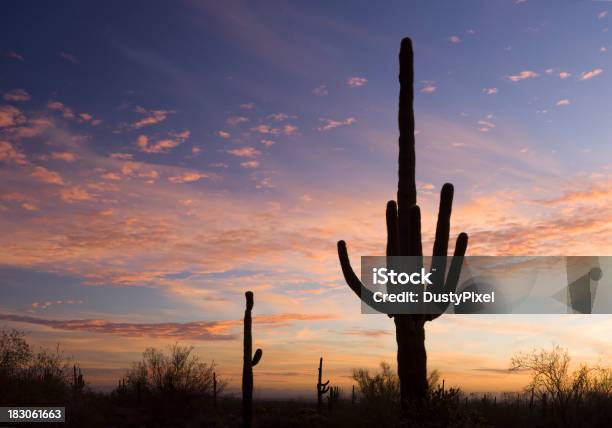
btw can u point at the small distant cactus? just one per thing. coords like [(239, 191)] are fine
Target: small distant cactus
[(333, 397), (322, 388), (353, 397), (249, 361), (215, 390), (77, 380)]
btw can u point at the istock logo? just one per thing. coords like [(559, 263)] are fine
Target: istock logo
[(384, 276)]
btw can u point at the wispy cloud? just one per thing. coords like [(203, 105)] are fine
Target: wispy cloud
[(43, 174), (152, 117), (590, 74), (429, 87), (320, 91), (163, 145), (356, 82), (454, 40), (188, 177), (69, 57), (250, 164), (197, 330), (236, 120), (563, 102), (15, 55), (490, 91), (328, 124), (526, 74), (246, 152), (17, 95)]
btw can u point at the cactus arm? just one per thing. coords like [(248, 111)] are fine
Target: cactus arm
[(392, 231), (440, 248), (455, 268), (325, 384), (325, 390), (354, 282), (256, 357), (349, 275)]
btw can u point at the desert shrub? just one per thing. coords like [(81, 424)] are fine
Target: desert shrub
[(379, 399), (169, 383), (574, 396), (31, 377)]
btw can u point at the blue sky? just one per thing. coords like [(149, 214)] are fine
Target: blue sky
[(159, 158)]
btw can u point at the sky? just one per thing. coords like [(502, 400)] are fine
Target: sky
[(158, 159)]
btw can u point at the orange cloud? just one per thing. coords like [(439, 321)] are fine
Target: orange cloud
[(153, 117), (43, 174), (526, 74), (197, 330), (10, 116)]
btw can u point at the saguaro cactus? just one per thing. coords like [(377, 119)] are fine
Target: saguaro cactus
[(215, 391), (322, 388), (249, 361), (77, 379), (333, 397), (404, 239)]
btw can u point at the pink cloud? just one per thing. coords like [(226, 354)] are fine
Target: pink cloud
[(9, 154), (43, 174), (356, 82), (153, 117), (69, 57), (590, 74), (66, 111), (526, 74), (247, 152), (10, 116), (75, 194), (17, 95), (328, 124), (65, 156), (163, 145), (250, 164), (187, 177)]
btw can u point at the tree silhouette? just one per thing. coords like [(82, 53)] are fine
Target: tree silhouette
[(404, 239)]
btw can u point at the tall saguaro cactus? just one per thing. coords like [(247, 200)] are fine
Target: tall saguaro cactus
[(404, 239), (249, 361), (322, 388)]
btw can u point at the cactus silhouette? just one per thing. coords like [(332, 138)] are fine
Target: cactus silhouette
[(215, 391), (333, 397), (322, 388), (249, 361), (77, 379), (404, 239)]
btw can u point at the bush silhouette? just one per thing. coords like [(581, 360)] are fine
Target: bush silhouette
[(29, 377), (171, 385)]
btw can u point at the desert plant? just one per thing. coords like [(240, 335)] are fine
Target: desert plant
[(552, 377), (322, 388), (215, 391), (249, 361), (404, 239), (171, 386), (29, 377), (333, 398), (77, 380)]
